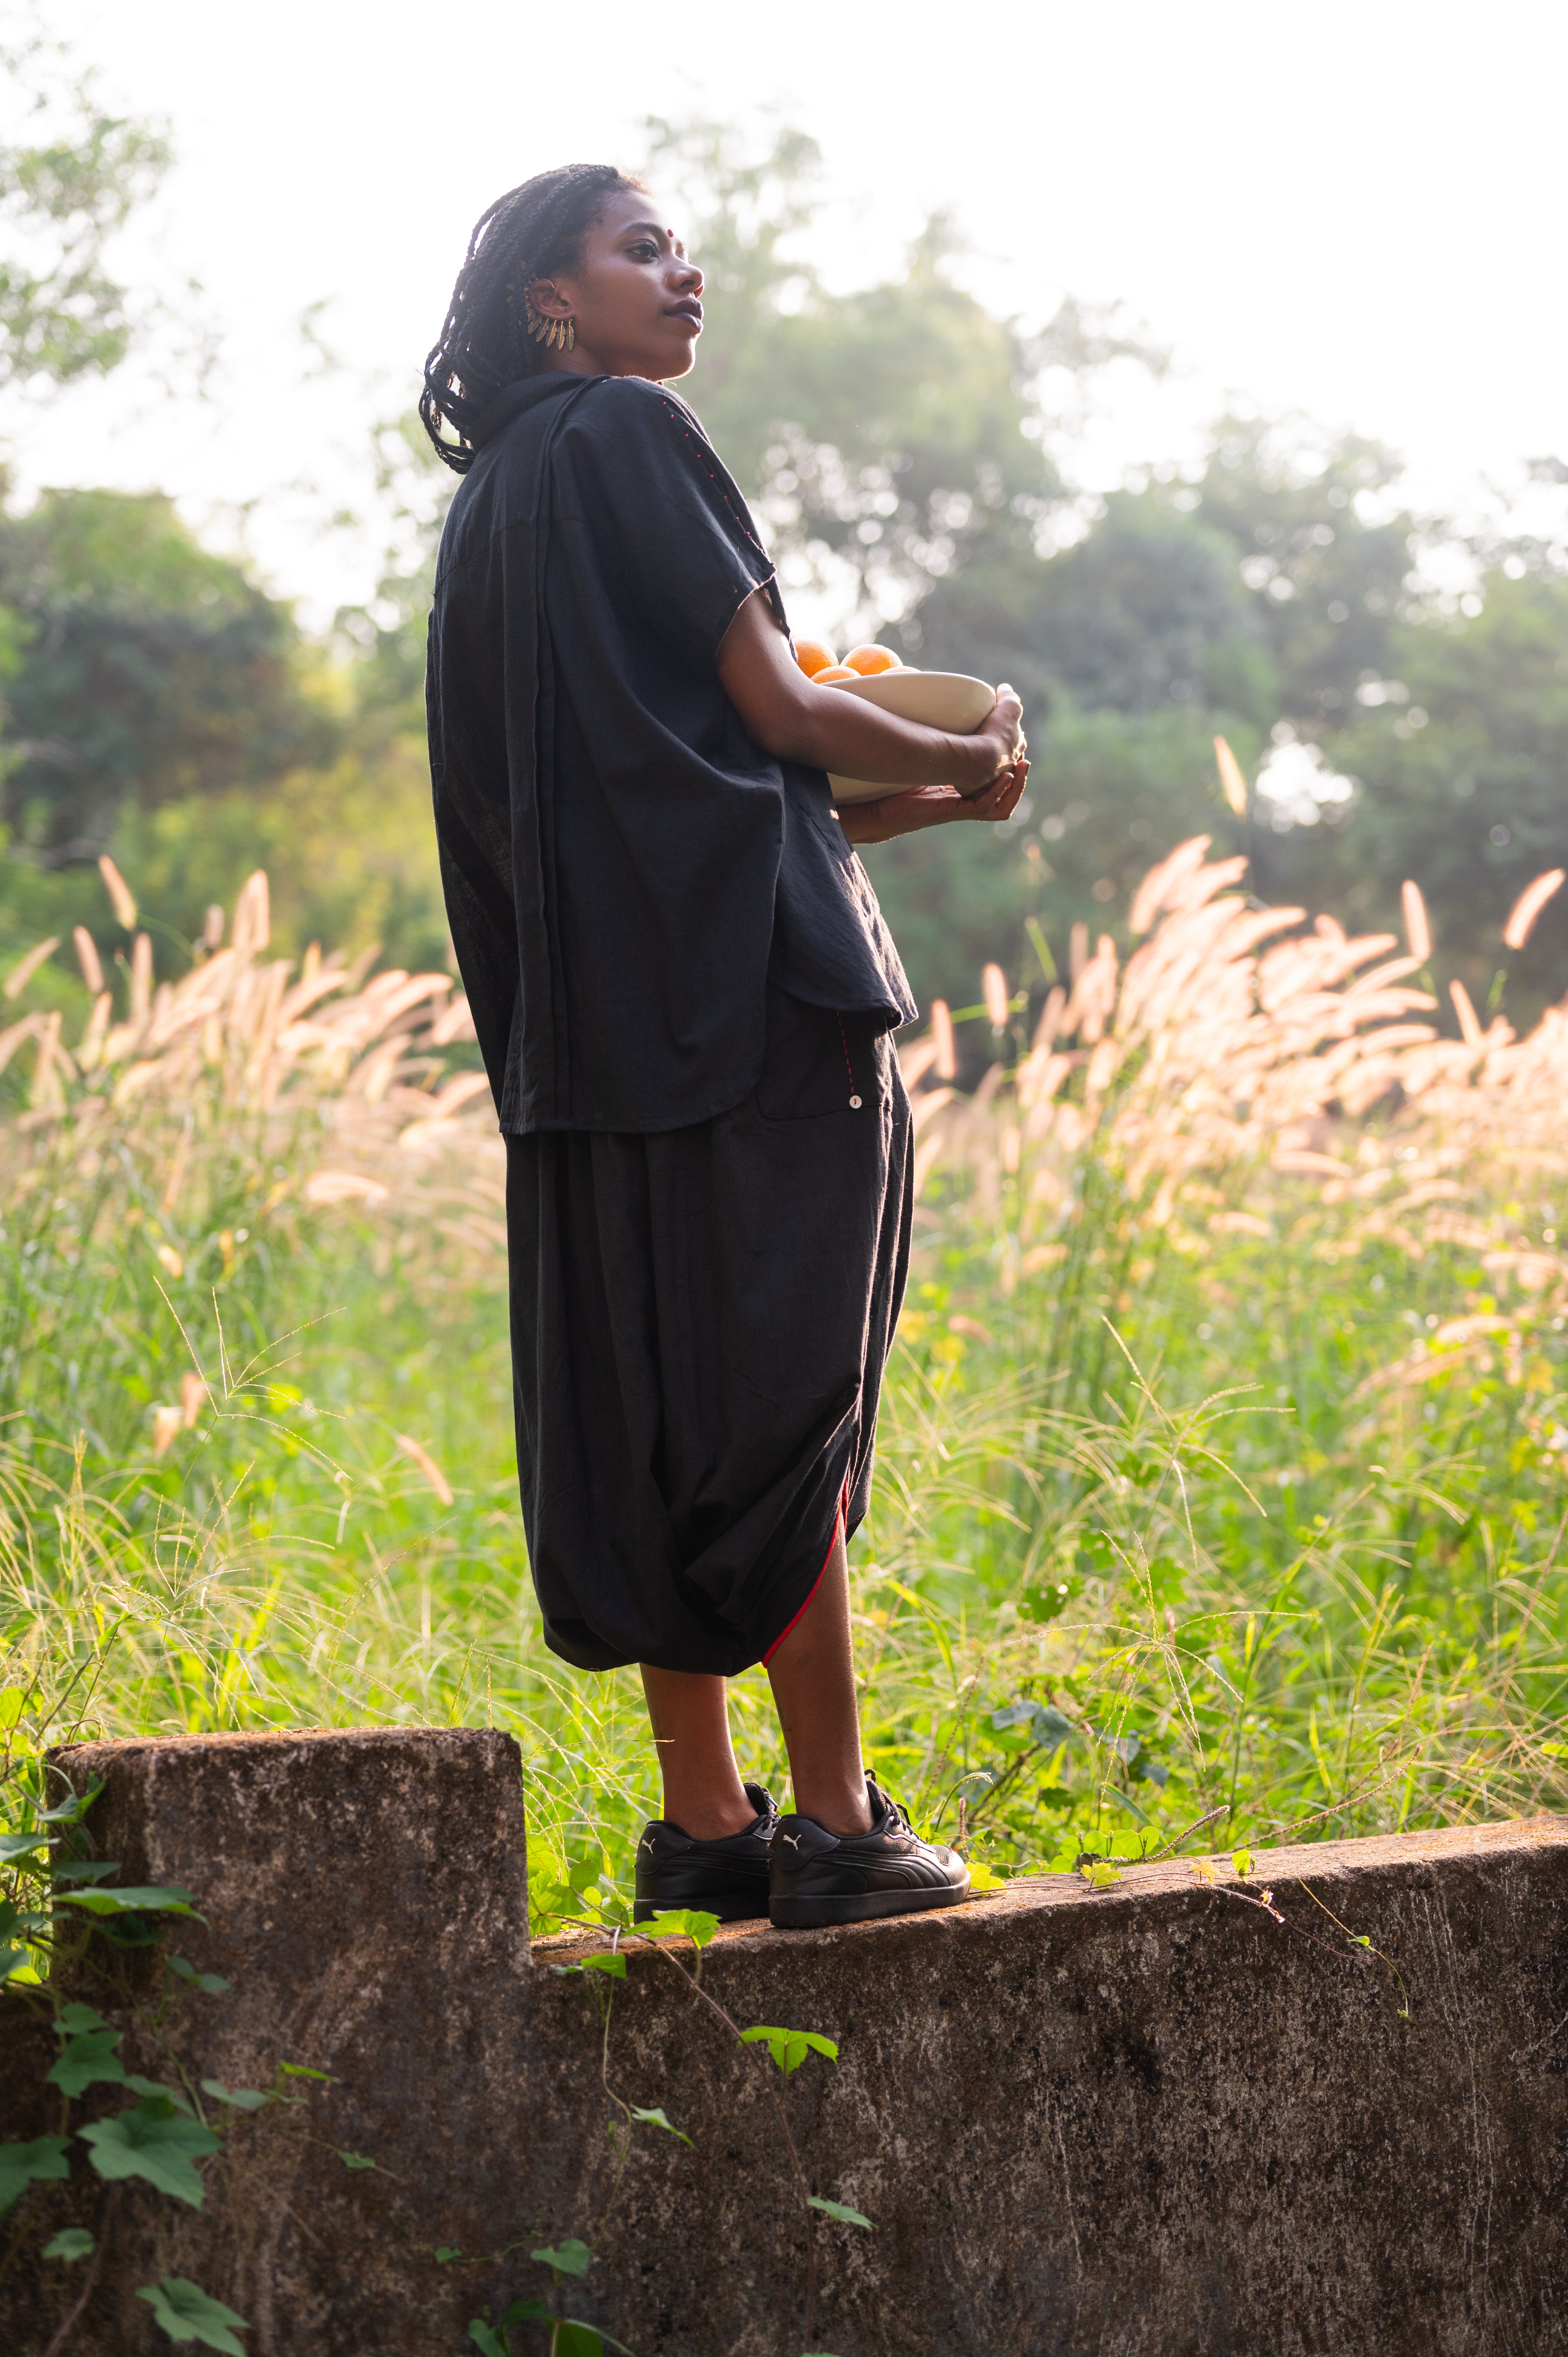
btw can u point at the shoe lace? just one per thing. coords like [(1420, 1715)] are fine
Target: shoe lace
[(900, 1814)]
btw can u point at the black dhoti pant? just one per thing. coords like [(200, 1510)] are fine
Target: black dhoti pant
[(700, 1321)]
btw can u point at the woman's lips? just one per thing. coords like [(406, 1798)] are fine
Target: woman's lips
[(688, 309)]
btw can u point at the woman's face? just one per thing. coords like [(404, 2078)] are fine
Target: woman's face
[(634, 299)]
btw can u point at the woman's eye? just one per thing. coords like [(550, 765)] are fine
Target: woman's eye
[(644, 250)]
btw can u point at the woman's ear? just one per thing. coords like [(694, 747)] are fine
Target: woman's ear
[(546, 298)]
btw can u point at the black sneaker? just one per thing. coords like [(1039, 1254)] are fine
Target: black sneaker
[(814, 1877), (727, 1878)]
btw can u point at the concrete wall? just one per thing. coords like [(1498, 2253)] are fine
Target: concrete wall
[(1148, 2119)]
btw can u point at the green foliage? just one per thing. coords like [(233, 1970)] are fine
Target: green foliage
[(839, 2211), (22, 2165), (137, 1901), (574, 2340), (680, 1923), (89, 2060), (145, 670), (789, 2048), (239, 2098), (156, 2143), (889, 432), (71, 2243), (1461, 772), (655, 2117), (188, 2313), (569, 2258), (209, 1983), (63, 314), (1149, 609), (612, 1964)]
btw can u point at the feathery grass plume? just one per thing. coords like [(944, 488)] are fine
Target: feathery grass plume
[(1232, 784), (121, 896), (1529, 906), (426, 1465), (945, 1058), (1417, 931), (1222, 1455), (1469, 1021), (22, 973), (993, 990), (87, 958)]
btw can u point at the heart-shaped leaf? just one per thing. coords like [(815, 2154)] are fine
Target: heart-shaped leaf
[(789, 2048), (682, 1923), (154, 2142), (22, 2164), (188, 2313), (570, 2258), (88, 2061), (71, 2242)]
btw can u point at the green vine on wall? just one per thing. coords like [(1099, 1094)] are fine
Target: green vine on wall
[(786, 2050), (65, 1921), (67, 1924)]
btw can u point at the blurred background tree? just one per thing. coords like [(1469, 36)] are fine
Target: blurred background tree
[(909, 454), (63, 196)]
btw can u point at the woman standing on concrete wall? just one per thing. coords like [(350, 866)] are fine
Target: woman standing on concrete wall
[(685, 992)]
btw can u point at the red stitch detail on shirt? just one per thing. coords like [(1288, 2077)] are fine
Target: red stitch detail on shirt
[(848, 1065)]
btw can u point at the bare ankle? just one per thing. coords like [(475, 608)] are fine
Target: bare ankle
[(711, 1817), (841, 1809)]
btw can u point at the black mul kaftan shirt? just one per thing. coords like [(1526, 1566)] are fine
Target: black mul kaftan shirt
[(625, 869)]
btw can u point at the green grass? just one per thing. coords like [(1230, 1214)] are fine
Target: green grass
[(1154, 1543)]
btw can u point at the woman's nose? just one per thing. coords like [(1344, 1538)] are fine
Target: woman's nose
[(689, 278)]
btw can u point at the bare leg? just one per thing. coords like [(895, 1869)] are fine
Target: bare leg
[(703, 1792), (812, 1674)]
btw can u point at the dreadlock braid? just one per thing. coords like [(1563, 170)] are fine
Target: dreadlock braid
[(484, 341)]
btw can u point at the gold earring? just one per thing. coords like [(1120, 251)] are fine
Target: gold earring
[(560, 335)]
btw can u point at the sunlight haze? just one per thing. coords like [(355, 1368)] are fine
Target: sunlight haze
[(1352, 213)]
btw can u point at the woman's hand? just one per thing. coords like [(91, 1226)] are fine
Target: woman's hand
[(898, 814), (1002, 731)]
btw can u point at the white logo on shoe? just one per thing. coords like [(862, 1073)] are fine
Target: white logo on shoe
[(792, 1839)]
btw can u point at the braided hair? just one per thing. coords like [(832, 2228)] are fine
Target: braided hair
[(484, 341)]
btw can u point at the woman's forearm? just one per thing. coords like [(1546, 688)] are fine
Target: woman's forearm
[(856, 740), (796, 721)]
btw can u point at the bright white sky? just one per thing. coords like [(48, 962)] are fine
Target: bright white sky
[(1352, 208)]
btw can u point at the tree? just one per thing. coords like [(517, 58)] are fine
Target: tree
[(63, 314), (1463, 769), (142, 668), (893, 432)]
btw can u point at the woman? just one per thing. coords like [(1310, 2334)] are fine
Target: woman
[(683, 991)]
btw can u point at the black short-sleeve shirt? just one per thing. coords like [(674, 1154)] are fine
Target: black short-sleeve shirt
[(625, 869)]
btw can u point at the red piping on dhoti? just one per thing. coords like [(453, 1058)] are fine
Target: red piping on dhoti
[(838, 1526)]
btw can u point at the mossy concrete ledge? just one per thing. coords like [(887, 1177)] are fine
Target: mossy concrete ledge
[(1153, 2120)]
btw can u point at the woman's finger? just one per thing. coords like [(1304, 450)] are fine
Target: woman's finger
[(1002, 797)]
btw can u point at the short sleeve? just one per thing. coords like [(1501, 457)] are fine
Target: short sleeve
[(670, 525)]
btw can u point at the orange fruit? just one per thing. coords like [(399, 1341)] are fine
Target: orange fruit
[(813, 655), (830, 671), (868, 660)]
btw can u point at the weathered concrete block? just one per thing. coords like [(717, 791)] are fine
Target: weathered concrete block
[(1151, 2121)]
